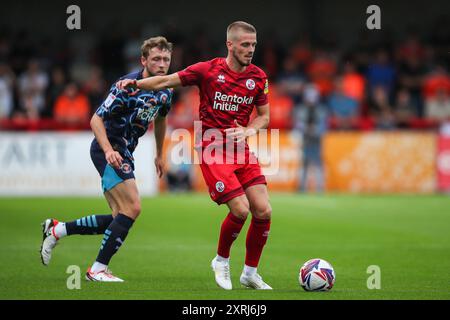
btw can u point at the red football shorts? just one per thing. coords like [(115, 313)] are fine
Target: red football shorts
[(228, 180)]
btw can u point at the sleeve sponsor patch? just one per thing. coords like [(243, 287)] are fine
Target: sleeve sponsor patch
[(266, 87), (109, 100)]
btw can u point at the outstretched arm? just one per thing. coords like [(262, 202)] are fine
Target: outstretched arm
[(151, 83)]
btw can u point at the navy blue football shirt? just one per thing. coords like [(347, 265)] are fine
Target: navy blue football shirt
[(127, 114)]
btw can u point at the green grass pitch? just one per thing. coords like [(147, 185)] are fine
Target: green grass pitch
[(168, 252)]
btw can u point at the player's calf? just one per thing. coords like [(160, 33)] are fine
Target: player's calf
[(53, 230), (89, 225), (113, 239)]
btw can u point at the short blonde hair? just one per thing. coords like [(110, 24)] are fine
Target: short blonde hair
[(159, 42), (247, 27)]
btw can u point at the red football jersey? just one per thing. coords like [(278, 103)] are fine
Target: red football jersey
[(226, 95)]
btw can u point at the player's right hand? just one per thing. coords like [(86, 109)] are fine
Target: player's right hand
[(126, 84), (114, 158)]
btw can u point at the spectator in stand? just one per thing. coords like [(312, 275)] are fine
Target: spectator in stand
[(362, 50), (404, 110), (353, 83), (185, 111), (199, 48), (28, 109), (178, 175), (437, 79), (301, 52), (7, 79), (411, 70), (291, 81), (322, 71), (132, 51), (381, 109), (56, 87), (311, 120), (32, 87), (95, 87), (270, 55), (411, 48), (5, 45), (437, 107), (281, 106), (72, 106), (381, 73), (344, 109)]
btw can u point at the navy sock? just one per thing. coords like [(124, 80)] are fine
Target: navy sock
[(95, 224), (114, 236)]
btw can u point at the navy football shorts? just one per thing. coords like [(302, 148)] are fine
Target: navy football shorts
[(110, 175)]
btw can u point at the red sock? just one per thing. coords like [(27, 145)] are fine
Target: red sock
[(256, 239), (229, 231)]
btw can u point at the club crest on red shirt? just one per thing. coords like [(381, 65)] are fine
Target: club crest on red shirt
[(250, 84)]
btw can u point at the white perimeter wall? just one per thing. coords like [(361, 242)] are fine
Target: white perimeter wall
[(49, 164)]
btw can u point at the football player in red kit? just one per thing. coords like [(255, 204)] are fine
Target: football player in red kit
[(230, 88)]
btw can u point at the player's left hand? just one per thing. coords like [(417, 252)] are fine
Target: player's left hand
[(239, 133), (160, 167), (126, 84)]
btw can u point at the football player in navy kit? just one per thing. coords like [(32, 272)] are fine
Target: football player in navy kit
[(117, 124)]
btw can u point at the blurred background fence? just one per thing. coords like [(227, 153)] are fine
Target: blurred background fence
[(358, 110)]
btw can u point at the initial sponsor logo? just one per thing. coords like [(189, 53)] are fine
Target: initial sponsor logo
[(229, 102)]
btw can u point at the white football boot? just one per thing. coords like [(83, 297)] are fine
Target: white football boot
[(222, 274), (254, 282), (49, 240), (102, 276)]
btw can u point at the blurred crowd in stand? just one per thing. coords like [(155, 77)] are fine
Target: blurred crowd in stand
[(385, 82)]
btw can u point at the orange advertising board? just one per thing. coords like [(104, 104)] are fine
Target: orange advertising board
[(375, 162), (279, 154), (380, 162)]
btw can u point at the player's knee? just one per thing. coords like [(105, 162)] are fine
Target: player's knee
[(263, 212), (135, 209), (241, 211), (115, 210)]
